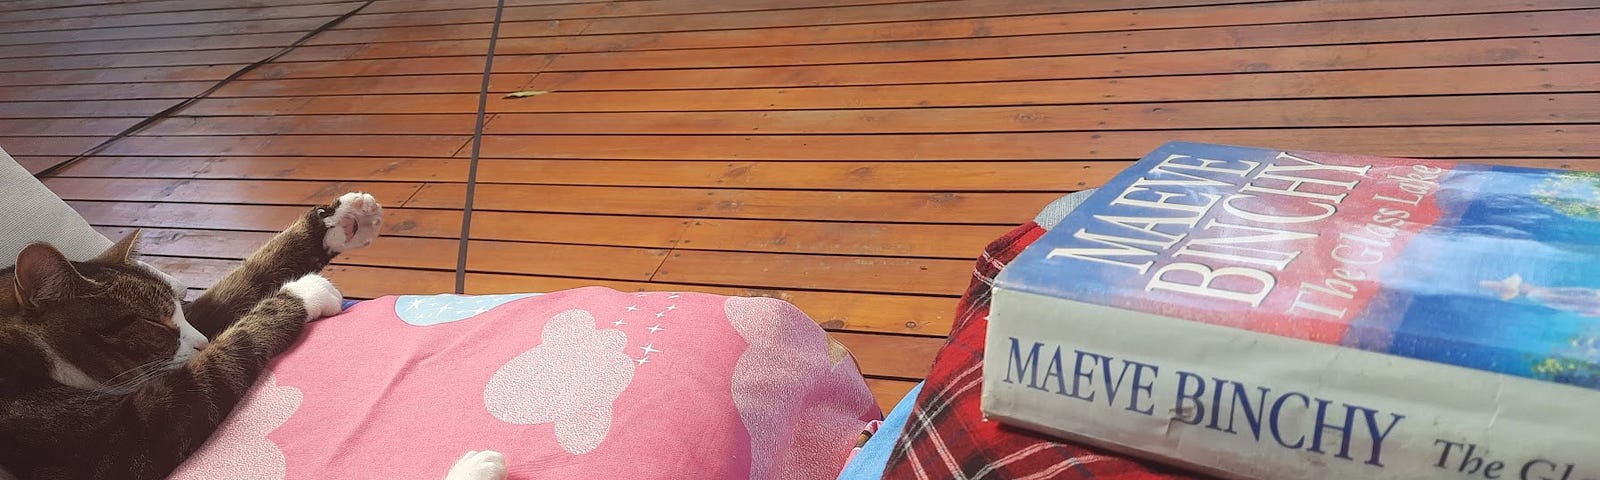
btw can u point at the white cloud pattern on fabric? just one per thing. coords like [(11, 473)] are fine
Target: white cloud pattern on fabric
[(571, 379)]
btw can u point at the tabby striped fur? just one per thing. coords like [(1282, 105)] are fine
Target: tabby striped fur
[(94, 383)]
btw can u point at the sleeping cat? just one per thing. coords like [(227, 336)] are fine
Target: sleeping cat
[(104, 374)]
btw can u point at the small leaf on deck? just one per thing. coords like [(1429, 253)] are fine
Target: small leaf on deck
[(526, 93)]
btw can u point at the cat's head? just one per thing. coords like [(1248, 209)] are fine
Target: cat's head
[(102, 323)]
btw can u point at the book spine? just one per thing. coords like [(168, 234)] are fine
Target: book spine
[(1242, 404)]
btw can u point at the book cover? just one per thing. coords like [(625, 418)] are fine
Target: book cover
[(1478, 274)]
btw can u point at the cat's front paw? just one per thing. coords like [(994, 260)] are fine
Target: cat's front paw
[(318, 294), (352, 222), (485, 465)]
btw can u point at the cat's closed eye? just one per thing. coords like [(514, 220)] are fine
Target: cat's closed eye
[(158, 323)]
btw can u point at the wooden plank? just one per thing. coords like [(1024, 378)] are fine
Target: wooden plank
[(1276, 59), (628, 231), (250, 14), (34, 165), (1115, 38), (24, 5), (1483, 110), (412, 124), (1358, 83), (460, 83), (83, 108), (982, 208), (130, 91), (121, 75), (321, 105), (130, 60), (48, 146), (174, 44), (366, 146), (283, 168), (67, 127), (159, 31), (225, 191), (1363, 83), (959, 176), (818, 272), (405, 66), (888, 394), (894, 356), (18, 10), (1462, 141), (211, 105), (216, 216), (632, 264), (836, 238)]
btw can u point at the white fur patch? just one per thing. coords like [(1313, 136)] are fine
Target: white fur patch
[(485, 465), (65, 372), (353, 224), (321, 298), (190, 341)]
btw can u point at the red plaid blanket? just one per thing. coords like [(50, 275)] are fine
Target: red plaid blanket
[(947, 437)]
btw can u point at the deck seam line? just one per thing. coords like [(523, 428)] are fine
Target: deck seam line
[(477, 146)]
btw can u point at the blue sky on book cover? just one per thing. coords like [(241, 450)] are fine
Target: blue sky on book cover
[(1492, 268)]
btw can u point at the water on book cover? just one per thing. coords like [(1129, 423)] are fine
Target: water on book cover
[(1509, 280)]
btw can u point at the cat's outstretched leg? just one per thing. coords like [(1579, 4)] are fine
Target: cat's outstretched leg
[(484, 465), (348, 223)]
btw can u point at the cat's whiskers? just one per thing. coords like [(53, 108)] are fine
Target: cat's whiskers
[(141, 374)]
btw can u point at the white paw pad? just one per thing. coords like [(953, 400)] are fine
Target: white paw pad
[(485, 465), (353, 224), (321, 298)]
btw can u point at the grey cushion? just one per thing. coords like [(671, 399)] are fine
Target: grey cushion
[(32, 213)]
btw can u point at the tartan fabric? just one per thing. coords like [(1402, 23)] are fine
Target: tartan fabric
[(947, 437)]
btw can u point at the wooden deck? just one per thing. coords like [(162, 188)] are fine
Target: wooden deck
[(850, 156)]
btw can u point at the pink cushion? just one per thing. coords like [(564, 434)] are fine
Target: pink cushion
[(586, 383)]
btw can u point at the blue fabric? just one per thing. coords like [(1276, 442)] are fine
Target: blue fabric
[(874, 456)]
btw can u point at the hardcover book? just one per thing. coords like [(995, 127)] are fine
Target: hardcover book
[(1256, 313)]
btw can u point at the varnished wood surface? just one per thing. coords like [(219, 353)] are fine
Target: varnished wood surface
[(850, 156)]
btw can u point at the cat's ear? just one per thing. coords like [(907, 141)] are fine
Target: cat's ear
[(43, 273), (121, 252)]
